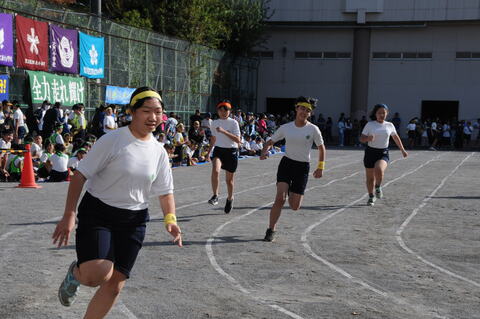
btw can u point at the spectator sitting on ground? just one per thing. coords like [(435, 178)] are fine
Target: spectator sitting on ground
[(190, 159), (36, 148), (58, 164), (178, 142), (195, 133), (15, 164), (245, 148), (67, 137), (171, 152), (162, 139), (73, 161), (56, 137), (257, 145), (203, 153)]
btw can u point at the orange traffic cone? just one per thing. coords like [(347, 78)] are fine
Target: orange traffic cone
[(28, 177), (69, 175)]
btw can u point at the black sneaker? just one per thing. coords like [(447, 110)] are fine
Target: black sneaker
[(269, 235), (213, 200), (228, 206)]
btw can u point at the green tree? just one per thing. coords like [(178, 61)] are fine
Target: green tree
[(235, 26)]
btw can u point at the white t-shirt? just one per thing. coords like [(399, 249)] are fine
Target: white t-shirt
[(36, 150), (123, 171), (206, 123), (73, 162), (411, 127), (18, 115), (229, 125), (298, 140), (446, 130), (381, 133), (256, 146), (4, 145), (467, 130), (59, 162), (110, 122)]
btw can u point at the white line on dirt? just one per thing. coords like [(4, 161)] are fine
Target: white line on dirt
[(400, 230), (341, 271), (233, 281)]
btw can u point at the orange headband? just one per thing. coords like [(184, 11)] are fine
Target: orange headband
[(226, 104)]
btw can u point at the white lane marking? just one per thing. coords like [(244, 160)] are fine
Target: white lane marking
[(233, 281), (120, 304), (414, 213), (123, 309), (341, 271), (245, 191)]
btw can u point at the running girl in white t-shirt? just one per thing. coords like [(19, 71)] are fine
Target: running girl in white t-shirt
[(377, 133), (122, 170), (292, 174), (224, 141)]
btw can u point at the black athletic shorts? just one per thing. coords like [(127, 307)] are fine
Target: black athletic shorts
[(294, 173), (228, 157), (106, 232), (372, 155)]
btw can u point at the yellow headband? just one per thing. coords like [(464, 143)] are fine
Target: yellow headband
[(305, 104), (143, 95)]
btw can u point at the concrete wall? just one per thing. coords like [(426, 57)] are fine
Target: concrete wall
[(393, 10), (287, 77), (402, 84)]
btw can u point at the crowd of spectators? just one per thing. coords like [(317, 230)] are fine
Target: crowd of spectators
[(60, 137)]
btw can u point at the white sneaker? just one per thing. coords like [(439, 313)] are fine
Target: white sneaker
[(378, 192), (432, 148), (371, 200)]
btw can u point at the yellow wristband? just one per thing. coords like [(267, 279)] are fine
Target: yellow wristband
[(170, 219), (321, 165)]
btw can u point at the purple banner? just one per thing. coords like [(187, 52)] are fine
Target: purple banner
[(6, 39), (63, 49)]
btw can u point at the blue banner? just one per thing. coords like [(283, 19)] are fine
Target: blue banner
[(118, 95), (3, 87), (92, 56)]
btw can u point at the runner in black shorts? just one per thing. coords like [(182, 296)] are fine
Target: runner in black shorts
[(122, 170), (224, 142), (292, 174), (377, 133)]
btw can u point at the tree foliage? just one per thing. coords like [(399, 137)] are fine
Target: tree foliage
[(235, 26)]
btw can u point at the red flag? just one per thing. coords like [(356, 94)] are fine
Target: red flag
[(32, 44)]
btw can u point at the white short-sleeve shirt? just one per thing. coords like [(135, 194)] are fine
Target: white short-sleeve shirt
[(298, 140), (381, 133), (59, 162), (123, 171), (229, 125), (18, 115)]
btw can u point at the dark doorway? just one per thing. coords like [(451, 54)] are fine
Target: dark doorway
[(444, 110), (280, 105)]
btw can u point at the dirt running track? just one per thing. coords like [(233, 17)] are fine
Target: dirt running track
[(415, 254)]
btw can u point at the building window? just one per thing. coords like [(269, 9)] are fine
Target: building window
[(468, 55), (322, 55), (401, 55)]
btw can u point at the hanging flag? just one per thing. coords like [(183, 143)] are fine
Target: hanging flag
[(63, 49), (118, 95), (67, 90), (3, 87), (32, 44), (91, 56), (6, 39)]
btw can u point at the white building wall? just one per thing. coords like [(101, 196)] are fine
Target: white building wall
[(404, 84), (287, 77), (393, 10)]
